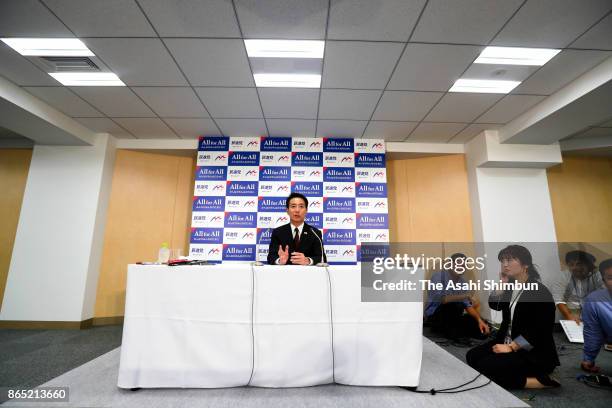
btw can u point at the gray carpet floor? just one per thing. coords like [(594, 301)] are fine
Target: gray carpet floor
[(87, 361)]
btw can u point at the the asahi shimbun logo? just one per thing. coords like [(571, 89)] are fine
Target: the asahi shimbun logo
[(214, 143), (211, 173), (275, 144), (338, 145)]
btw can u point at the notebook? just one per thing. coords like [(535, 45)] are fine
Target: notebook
[(572, 330)]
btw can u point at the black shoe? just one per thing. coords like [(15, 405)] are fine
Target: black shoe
[(462, 342), (547, 381)]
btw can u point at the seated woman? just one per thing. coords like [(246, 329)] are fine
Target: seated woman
[(523, 354), (573, 285)]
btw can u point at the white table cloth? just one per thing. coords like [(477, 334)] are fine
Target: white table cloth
[(270, 326)]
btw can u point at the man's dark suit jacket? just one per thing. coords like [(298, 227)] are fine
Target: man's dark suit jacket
[(310, 246)]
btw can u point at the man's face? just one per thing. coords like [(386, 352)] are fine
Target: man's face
[(579, 269), (607, 278), (297, 210)]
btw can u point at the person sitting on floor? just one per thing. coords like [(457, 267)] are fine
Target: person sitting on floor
[(523, 353), (445, 308), (573, 285), (597, 318)]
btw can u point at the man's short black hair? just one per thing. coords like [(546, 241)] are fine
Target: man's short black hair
[(605, 265), (296, 195), (581, 256)]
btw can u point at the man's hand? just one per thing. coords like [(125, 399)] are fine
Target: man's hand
[(283, 256), (589, 367), (298, 258), (483, 327), (502, 348), (576, 318)]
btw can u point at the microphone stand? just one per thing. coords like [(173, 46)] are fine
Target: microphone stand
[(257, 261), (323, 256)]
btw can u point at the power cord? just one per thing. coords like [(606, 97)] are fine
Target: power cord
[(452, 390)]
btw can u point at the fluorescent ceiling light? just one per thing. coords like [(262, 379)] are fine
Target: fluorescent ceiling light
[(49, 47), (284, 48), (516, 56), (87, 78), (287, 80), (483, 86)]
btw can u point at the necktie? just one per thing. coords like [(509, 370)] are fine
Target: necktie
[(296, 239)]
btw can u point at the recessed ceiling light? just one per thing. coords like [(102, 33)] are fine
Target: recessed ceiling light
[(284, 48), (87, 78), (287, 80), (516, 56), (483, 86), (49, 47)]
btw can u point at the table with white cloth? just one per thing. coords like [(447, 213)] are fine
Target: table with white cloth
[(229, 325)]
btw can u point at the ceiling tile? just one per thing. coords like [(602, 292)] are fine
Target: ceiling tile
[(289, 102), (218, 62), (405, 105), (508, 108), (390, 131), (383, 20), (347, 104), (598, 37), (108, 18), (341, 128), (435, 132), (463, 22), (287, 19), (104, 125), (147, 128), (500, 72), (29, 18), (138, 61), (461, 107), (292, 127), (231, 102), (172, 102), (551, 23), (432, 67), (561, 70), (65, 101), (243, 127), (359, 65), (19, 70), (471, 131), (193, 128), (118, 102), (192, 18)]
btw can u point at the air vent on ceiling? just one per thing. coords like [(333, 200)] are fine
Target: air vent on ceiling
[(70, 64)]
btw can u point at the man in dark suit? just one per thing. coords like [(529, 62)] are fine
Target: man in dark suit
[(295, 243)]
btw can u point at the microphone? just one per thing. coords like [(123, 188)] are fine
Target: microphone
[(323, 256), (257, 261)]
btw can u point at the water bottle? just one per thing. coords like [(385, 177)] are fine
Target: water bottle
[(164, 254)]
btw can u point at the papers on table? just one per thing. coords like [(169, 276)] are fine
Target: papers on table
[(572, 330)]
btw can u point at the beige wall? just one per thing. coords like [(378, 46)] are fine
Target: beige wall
[(14, 166), (150, 203), (581, 198)]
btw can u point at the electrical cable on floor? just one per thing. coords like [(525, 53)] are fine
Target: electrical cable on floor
[(451, 390)]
